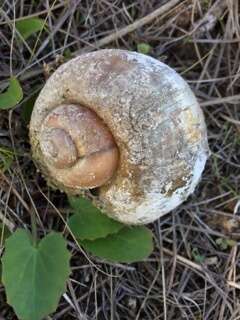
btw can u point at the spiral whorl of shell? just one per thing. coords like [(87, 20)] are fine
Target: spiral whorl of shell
[(77, 147), (154, 119)]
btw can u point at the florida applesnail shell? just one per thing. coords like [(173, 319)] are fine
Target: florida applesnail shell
[(154, 133)]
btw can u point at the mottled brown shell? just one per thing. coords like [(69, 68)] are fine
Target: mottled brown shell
[(154, 118)]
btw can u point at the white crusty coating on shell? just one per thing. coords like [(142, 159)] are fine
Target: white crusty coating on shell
[(156, 122)]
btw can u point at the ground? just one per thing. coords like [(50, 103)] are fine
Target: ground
[(193, 272)]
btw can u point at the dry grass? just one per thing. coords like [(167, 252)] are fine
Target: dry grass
[(190, 275)]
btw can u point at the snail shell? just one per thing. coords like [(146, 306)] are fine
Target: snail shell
[(152, 132)]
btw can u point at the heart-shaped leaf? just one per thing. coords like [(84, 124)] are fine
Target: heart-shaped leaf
[(4, 234), (35, 276), (12, 96), (89, 222), (128, 245), (29, 26)]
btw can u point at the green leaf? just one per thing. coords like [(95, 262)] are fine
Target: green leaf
[(6, 158), (67, 54), (27, 107), (29, 26), (231, 242), (89, 222), (199, 258), (4, 234), (144, 48), (128, 245), (35, 276), (224, 243), (12, 96)]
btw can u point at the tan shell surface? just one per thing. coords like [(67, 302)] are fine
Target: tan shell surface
[(154, 118), (77, 147)]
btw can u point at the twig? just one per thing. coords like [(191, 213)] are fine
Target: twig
[(208, 22), (231, 99), (134, 26), (185, 261), (8, 223), (233, 284), (198, 267), (234, 121), (36, 14), (23, 202), (112, 37)]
